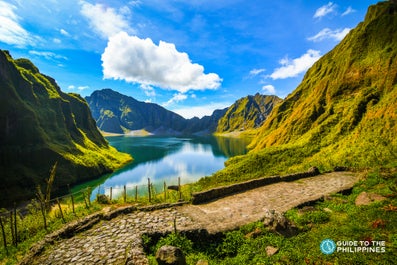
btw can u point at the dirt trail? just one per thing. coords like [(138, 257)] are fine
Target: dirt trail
[(119, 239), (243, 208)]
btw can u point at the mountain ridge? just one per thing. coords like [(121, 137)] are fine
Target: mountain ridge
[(118, 113)]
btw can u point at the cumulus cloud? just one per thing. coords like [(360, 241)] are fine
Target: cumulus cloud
[(292, 68), (270, 89), (325, 10), (175, 99), (348, 11), (327, 33), (11, 32), (141, 61), (106, 21)]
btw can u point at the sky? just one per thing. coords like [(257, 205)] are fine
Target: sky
[(189, 56)]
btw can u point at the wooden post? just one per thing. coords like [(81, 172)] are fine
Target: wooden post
[(110, 197), (43, 212), (148, 187), (71, 196), (60, 210), (12, 228), (4, 234), (179, 188), (15, 224), (165, 192), (136, 193), (125, 193)]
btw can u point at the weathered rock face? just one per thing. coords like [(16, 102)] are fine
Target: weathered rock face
[(278, 223), (170, 255)]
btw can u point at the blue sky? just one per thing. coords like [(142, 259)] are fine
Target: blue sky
[(189, 56)]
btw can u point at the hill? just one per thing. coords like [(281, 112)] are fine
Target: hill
[(41, 125), (342, 114), (247, 113)]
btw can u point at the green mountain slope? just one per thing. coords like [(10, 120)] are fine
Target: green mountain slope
[(247, 113), (118, 113), (344, 112), (40, 125)]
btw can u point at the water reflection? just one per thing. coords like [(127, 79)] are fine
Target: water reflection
[(167, 159)]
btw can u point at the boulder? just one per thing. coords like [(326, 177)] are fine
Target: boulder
[(365, 198), (170, 255), (278, 223), (270, 251)]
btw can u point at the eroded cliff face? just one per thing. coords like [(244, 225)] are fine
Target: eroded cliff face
[(39, 125)]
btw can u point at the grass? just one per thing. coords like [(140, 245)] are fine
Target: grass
[(337, 218)]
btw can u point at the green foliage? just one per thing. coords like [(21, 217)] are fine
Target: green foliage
[(176, 240), (39, 124)]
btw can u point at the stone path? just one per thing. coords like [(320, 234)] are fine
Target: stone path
[(118, 241)]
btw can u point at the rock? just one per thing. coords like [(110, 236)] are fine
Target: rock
[(102, 199), (314, 171), (202, 262), (365, 198), (167, 255), (270, 251), (277, 222)]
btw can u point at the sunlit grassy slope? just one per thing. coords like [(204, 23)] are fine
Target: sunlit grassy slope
[(343, 113), (39, 125)]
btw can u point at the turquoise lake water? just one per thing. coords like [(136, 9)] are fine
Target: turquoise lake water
[(165, 159)]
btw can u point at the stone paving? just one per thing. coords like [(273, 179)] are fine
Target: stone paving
[(118, 241)]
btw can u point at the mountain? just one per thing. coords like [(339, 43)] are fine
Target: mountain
[(41, 125), (118, 113), (343, 113), (247, 113)]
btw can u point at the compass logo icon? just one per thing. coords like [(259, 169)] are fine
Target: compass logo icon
[(327, 246)]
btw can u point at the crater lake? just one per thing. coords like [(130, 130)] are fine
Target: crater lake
[(165, 159)]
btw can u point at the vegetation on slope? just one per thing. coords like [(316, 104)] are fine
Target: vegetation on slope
[(39, 125), (342, 114), (247, 113)]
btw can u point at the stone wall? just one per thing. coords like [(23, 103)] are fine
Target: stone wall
[(216, 193)]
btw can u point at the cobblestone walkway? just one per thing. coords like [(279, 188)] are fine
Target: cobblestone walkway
[(118, 241)]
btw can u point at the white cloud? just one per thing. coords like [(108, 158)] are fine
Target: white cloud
[(106, 21), (48, 55), (175, 99), (255, 72), (11, 32), (73, 87), (141, 61), (325, 10), (270, 89), (82, 87), (292, 68), (149, 90), (200, 111), (64, 32), (348, 11), (327, 33)]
